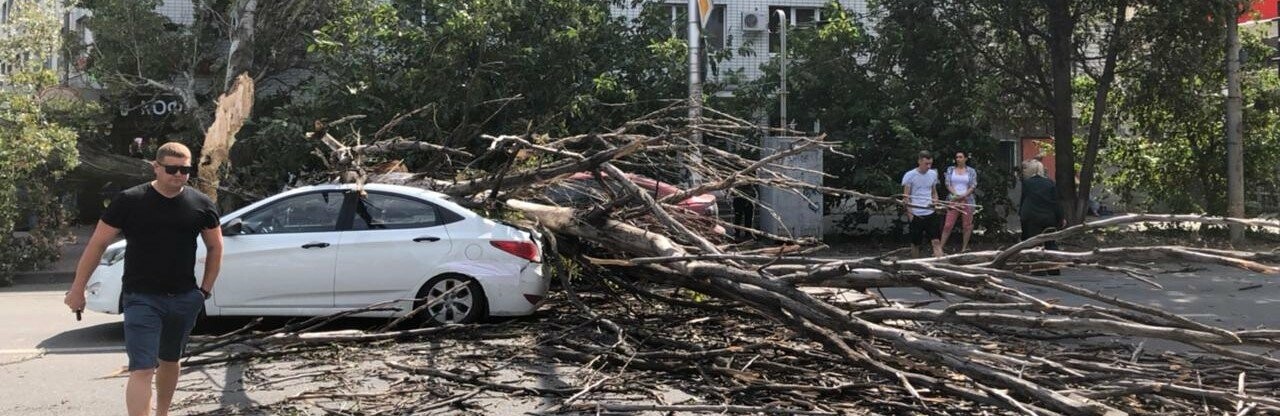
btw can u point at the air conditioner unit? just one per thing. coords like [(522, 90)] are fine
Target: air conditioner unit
[(754, 21)]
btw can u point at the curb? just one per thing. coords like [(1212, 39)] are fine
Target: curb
[(45, 277)]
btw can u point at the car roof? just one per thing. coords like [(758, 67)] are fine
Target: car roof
[(430, 196), (400, 189)]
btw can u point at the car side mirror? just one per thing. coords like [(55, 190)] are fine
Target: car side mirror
[(234, 227)]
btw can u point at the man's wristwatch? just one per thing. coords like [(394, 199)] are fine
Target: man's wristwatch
[(206, 293)]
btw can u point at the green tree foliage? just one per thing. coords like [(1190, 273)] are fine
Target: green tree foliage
[(1174, 160), (889, 96), (545, 64), (35, 152), (472, 67), (139, 53)]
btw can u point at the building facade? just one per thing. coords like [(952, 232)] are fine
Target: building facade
[(735, 24)]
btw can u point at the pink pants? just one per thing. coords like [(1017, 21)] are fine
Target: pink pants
[(951, 220)]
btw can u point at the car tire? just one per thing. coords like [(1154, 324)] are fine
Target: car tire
[(204, 324), (463, 306)]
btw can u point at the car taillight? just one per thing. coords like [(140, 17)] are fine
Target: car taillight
[(523, 249)]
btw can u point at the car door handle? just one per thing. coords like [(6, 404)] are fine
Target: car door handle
[(426, 239), (315, 245)]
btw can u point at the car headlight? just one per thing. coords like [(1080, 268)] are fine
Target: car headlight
[(113, 256)]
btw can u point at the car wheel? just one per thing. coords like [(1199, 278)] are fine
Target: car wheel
[(457, 300)]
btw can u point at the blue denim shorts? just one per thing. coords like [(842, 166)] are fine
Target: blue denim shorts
[(157, 326)]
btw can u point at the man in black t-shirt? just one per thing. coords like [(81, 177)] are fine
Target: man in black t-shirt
[(160, 221)]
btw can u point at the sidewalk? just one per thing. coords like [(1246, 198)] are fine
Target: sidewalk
[(63, 270)]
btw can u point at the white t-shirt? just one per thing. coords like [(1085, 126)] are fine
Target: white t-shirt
[(959, 181), (921, 189)]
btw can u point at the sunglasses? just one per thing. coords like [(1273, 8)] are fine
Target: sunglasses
[(175, 169)]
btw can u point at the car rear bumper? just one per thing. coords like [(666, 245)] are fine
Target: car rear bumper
[(519, 291)]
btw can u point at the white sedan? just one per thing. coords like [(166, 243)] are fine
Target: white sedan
[(322, 249)]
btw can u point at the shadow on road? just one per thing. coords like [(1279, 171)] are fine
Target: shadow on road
[(83, 340)]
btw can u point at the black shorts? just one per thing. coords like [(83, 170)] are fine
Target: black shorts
[(924, 228)]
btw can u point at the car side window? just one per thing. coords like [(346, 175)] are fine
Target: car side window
[(381, 211), (307, 213)]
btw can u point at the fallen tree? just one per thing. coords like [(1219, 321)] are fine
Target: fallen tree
[(987, 343)]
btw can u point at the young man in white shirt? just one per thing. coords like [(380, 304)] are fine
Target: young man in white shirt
[(920, 186)]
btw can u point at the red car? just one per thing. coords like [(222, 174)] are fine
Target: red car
[(583, 187)]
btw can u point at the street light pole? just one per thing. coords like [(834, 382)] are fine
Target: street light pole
[(782, 57), (695, 88), (1235, 152)]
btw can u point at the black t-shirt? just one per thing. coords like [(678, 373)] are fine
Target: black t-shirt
[(161, 233)]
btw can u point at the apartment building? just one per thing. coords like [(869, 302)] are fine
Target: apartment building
[(734, 24)]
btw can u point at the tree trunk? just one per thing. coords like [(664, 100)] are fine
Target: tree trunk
[(233, 108), (1235, 151), (238, 96), (1060, 53), (240, 52), (98, 164), (1108, 77)]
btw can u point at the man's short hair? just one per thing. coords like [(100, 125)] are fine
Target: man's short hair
[(924, 154), (173, 149)]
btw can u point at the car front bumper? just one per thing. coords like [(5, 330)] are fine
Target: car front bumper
[(102, 294)]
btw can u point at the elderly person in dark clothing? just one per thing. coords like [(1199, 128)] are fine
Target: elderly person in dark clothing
[(1039, 208)]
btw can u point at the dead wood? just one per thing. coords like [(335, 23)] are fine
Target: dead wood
[(233, 109)]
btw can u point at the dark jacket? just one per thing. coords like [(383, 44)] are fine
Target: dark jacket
[(1039, 201)]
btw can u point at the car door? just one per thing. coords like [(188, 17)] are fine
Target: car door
[(395, 243), (284, 255)]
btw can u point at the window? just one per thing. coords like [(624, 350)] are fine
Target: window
[(713, 38), (796, 16), (1009, 155), (308, 213), (381, 211)]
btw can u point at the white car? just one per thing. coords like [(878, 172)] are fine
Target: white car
[(322, 249)]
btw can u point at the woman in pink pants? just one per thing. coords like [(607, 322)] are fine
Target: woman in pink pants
[(962, 180)]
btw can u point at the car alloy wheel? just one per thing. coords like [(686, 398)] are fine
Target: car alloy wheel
[(455, 299)]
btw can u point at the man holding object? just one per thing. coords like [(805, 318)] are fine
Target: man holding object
[(920, 190), (160, 220)]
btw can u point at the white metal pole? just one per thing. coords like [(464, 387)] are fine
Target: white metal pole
[(695, 86), (782, 56)]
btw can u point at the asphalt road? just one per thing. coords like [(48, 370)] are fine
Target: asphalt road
[(51, 364)]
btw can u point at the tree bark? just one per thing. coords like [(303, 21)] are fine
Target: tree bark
[(232, 111), (1108, 77), (1060, 53), (98, 164), (240, 51), (234, 106)]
